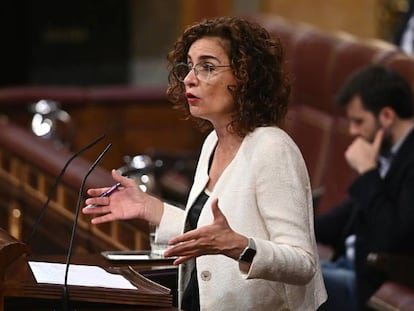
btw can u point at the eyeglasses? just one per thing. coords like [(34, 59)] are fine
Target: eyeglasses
[(202, 70)]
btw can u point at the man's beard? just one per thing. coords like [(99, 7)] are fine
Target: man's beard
[(386, 144)]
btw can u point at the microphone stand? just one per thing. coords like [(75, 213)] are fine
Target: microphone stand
[(70, 250), (57, 181)]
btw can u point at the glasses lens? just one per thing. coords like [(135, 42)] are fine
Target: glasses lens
[(181, 70), (202, 71)]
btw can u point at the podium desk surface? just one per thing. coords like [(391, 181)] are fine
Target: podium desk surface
[(21, 291)]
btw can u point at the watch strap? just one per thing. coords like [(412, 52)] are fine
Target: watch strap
[(249, 252)]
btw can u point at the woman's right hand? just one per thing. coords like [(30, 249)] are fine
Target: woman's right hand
[(128, 202)]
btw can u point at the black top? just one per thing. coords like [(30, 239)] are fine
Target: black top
[(191, 299)]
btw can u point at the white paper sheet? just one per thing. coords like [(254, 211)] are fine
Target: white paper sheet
[(80, 275)]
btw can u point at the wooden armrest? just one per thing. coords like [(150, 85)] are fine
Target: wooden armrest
[(392, 296), (10, 250)]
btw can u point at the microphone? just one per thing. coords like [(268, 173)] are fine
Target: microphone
[(52, 191), (75, 224)]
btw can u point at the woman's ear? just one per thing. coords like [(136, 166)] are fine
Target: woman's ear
[(387, 117)]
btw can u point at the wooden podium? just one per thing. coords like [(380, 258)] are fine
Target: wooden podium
[(20, 291)]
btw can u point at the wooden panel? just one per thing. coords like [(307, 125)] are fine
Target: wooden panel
[(135, 128), (197, 10), (134, 120), (357, 17), (28, 168)]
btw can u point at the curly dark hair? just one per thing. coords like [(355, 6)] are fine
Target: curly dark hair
[(262, 89), (378, 87)]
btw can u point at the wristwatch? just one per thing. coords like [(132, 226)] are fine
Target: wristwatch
[(248, 253)]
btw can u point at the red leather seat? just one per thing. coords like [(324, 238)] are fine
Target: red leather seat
[(338, 175), (311, 130), (314, 55)]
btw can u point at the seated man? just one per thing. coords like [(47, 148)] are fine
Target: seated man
[(379, 214)]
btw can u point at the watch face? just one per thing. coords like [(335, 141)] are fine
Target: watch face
[(249, 252), (248, 255)]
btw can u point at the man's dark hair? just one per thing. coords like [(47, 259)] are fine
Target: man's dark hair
[(378, 87)]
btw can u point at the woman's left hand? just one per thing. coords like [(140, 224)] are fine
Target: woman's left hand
[(216, 238)]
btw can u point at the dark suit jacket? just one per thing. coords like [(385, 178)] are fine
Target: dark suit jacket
[(381, 214)]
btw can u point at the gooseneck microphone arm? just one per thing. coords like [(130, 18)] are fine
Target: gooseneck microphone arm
[(75, 224), (57, 181)]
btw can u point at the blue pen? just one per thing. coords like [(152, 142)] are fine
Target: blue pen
[(107, 193)]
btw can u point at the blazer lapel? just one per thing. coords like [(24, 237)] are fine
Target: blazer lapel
[(401, 158)]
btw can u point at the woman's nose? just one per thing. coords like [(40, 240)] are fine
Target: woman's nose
[(191, 77)]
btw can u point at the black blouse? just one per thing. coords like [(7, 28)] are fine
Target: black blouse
[(191, 299)]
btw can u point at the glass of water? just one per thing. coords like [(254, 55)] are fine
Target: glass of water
[(157, 249)]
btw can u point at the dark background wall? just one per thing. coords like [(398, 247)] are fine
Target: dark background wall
[(64, 42), (86, 42)]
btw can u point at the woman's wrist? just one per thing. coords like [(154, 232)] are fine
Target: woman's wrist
[(240, 242), (154, 209)]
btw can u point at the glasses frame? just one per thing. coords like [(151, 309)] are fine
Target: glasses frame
[(196, 71)]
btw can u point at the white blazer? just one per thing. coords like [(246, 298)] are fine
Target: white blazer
[(265, 194)]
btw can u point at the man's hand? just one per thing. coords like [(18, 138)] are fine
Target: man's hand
[(362, 155)]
